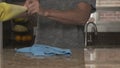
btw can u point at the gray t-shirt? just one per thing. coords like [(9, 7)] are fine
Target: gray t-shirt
[(53, 33)]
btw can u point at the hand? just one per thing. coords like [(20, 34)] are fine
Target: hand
[(33, 7)]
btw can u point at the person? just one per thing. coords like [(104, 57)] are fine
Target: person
[(9, 11), (61, 22)]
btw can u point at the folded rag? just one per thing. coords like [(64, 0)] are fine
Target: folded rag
[(9, 11), (44, 50)]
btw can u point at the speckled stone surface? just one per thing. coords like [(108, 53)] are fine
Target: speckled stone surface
[(11, 59)]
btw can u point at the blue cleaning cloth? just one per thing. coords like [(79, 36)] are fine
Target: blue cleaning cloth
[(44, 50)]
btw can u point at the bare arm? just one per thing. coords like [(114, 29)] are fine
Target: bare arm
[(77, 16)]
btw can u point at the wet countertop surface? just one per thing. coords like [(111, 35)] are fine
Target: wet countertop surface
[(102, 58)]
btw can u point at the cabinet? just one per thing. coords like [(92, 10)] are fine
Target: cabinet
[(18, 32), (22, 31)]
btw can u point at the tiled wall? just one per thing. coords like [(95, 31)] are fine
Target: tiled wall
[(108, 3), (108, 15)]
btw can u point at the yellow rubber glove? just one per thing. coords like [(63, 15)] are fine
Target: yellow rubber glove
[(9, 11)]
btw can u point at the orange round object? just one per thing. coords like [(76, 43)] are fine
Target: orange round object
[(18, 38), (29, 37), (24, 38)]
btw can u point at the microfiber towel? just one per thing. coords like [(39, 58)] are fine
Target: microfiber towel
[(44, 50)]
